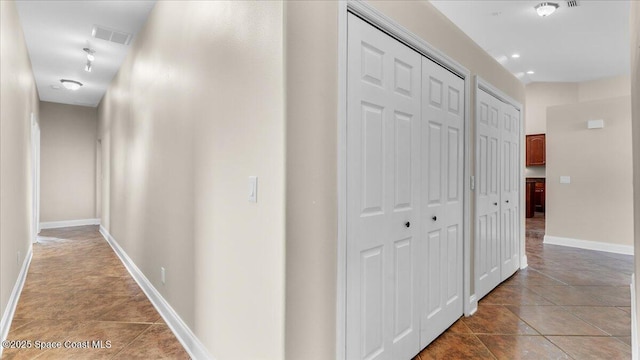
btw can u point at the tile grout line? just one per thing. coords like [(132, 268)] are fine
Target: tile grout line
[(131, 342)]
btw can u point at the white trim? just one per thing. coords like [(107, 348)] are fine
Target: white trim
[(341, 305), (486, 86), (634, 320), (389, 26), (7, 316), (68, 223), (35, 178), (473, 305), (466, 282), (589, 245), (189, 341)]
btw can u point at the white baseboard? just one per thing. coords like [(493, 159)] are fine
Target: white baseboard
[(473, 304), (187, 338), (634, 320), (589, 245), (68, 223), (523, 262), (7, 317)]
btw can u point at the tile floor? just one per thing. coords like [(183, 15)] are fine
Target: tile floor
[(568, 304), (78, 290)]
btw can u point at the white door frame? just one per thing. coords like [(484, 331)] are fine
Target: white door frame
[(35, 177), (389, 26), (481, 84)]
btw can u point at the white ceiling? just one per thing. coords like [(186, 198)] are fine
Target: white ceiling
[(56, 32), (587, 42), (582, 43)]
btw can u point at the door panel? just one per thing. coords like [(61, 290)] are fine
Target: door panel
[(442, 209), (383, 174), (487, 255), (510, 234)]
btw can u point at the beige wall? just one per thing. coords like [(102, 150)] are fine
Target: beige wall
[(18, 99), (311, 111), (197, 107), (597, 204), (311, 197), (541, 95), (634, 31), (604, 88), (67, 162)]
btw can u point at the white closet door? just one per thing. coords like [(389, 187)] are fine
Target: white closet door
[(383, 177), (487, 190), (510, 170), (442, 199)]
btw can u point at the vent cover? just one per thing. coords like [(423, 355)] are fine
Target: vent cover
[(104, 33), (572, 3)]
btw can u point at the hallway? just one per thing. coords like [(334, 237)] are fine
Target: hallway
[(568, 304), (77, 290)]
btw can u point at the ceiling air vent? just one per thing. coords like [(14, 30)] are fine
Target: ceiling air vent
[(572, 3), (104, 33)]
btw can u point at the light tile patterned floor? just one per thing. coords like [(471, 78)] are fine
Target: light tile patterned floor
[(77, 290), (568, 304)]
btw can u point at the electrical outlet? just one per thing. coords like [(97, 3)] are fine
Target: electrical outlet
[(162, 275)]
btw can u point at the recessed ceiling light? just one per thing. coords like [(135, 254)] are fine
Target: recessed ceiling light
[(88, 67), (531, 72), (546, 8), (515, 56), (71, 84)]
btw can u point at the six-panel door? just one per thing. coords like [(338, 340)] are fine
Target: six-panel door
[(405, 151), (442, 199), (405, 154), (497, 245), (383, 177)]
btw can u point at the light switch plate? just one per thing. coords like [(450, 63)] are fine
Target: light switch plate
[(565, 179), (253, 189)]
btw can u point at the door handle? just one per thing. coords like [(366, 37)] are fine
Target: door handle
[(507, 201), (495, 203), (434, 218), (407, 224)]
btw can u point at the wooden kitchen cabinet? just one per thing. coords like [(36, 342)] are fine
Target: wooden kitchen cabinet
[(535, 196), (536, 150), (530, 194), (539, 195)]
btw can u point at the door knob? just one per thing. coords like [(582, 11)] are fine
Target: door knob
[(507, 201), (434, 218), (495, 203), (407, 224)]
